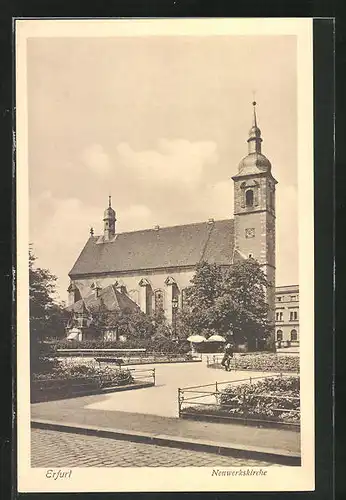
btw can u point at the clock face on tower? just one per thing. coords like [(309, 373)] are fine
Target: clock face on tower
[(250, 232)]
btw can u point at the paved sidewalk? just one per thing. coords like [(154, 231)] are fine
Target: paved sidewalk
[(61, 449), (76, 413)]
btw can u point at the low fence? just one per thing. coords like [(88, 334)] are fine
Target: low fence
[(145, 375), (203, 402), (53, 389)]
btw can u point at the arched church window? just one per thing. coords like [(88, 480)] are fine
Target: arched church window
[(158, 298), (249, 198), (279, 335)]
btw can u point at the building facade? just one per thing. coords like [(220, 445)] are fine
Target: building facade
[(287, 316), (154, 266)]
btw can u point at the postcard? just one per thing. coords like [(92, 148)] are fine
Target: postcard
[(165, 276)]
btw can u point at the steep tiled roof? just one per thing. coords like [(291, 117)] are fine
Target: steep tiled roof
[(175, 246), (111, 298)]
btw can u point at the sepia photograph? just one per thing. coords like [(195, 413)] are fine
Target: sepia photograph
[(165, 255)]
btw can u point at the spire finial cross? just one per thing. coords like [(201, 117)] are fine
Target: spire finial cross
[(109, 200)]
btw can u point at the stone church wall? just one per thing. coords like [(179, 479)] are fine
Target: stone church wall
[(141, 294)]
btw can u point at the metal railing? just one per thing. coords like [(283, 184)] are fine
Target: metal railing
[(148, 375), (59, 388), (210, 394)]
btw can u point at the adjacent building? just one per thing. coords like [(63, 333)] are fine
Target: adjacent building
[(287, 315)]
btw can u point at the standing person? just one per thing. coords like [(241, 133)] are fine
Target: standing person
[(227, 357)]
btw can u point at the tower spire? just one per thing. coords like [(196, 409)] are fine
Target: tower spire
[(254, 140), (110, 201), (254, 123)]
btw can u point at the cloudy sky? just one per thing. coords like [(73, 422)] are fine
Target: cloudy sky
[(160, 123)]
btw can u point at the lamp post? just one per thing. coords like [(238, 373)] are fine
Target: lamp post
[(174, 317)]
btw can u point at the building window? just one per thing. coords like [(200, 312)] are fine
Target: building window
[(249, 198), (279, 299), (279, 316), (294, 335), (293, 315), (158, 297), (279, 335)]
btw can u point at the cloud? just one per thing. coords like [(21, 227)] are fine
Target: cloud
[(58, 241), (61, 236), (96, 159), (175, 161)]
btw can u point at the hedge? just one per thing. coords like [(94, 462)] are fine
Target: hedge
[(262, 362), (158, 345)]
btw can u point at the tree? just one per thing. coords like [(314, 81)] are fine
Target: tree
[(201, 296), (229, 300), (47, 316), (130, 323), (101, 319)]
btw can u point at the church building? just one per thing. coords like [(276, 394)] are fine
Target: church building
[(153, 267)]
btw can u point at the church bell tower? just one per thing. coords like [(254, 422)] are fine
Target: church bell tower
[(254, 210)]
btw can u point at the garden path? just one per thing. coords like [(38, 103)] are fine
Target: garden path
[(161, 399)]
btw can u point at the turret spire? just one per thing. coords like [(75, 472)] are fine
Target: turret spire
[(109, 220)]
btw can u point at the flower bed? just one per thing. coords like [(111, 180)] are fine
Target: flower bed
[(273, 400), (77, 370), (70, 379), (261, 362)]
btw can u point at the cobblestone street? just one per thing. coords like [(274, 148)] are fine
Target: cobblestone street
[(60, 449)]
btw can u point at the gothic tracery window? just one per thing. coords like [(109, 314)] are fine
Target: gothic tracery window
[(158, 300)]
